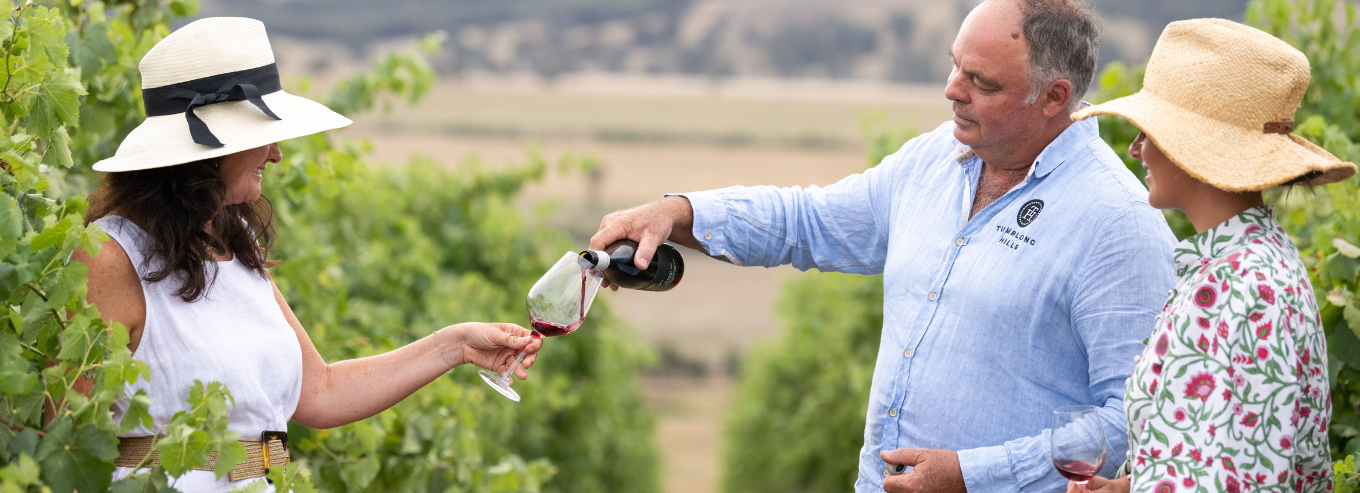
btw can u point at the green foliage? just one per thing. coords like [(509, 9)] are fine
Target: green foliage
[(371, 260), (881, 139), (815, 380), (1345, 478)]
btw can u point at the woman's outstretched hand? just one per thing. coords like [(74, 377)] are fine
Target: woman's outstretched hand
[(1100, 485), (492, 346)]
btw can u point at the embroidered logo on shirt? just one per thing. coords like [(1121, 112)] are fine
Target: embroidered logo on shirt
[(1029, 212)]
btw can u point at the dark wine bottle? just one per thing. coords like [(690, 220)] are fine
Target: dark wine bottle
[(616, 262)]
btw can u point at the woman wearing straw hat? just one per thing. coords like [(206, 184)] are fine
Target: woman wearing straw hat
[(186, 269), (1231, 393)]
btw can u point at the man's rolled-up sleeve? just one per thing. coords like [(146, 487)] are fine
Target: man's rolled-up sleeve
[(1115, 299)]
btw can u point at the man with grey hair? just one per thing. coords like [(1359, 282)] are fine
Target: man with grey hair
[(1022, 263)]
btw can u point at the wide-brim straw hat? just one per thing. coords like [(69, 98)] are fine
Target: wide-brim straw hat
[(219, 71), (1218, 99)]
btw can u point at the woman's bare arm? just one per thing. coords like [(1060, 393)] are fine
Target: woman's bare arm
[(114, 289), (348, 391), (116, 292)]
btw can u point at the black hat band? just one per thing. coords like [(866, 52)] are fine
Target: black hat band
[(245, 85)]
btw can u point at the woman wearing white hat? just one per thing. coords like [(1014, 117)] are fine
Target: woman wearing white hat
[(1231, 393), (186, 269)]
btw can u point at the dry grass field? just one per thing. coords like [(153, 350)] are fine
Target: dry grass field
[(653, 136)]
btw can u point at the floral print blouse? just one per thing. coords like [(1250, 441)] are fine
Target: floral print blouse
[(1231, 393)]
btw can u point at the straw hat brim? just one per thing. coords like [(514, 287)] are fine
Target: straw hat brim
[(1226, 156), (165, 140)]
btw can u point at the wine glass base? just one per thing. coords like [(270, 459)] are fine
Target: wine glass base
[(501, 385)]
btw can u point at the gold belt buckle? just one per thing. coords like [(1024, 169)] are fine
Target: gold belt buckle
[(269, 436)]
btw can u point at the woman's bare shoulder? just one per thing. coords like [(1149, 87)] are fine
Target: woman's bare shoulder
[(110, 268)]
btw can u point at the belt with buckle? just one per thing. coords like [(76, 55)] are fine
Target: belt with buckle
[(270, 450)]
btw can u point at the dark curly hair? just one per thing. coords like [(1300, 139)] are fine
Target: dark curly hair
[(183, 210)]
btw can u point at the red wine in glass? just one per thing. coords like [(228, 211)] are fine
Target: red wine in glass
[(1078, 471), (1077, 442), (545, 328)]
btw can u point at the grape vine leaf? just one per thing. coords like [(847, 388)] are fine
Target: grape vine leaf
[(66, 282), (23, 471), (291, 477), (47, 36), (57, 103), (52, 236), (183, 447), (229, 452), (11, 224), (15, 379), (59, 149), (77, 458), (24, 443), (357, 474), (137, 413), (1352, 316)]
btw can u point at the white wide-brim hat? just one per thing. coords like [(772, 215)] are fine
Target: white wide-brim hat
[(214, 67)]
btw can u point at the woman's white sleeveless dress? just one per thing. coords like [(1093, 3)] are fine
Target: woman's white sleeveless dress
[(235, 334)]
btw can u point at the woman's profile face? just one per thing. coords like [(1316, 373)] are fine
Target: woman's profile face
[(243, 171), (1167, 183)]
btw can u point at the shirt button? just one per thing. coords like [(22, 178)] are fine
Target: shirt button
[(1137, 359), (885, 472), (907, 353), (958, 241), (932, 296), (708, 236), (892, 412)]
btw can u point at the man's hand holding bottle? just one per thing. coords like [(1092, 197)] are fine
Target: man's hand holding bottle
[(649, 225)]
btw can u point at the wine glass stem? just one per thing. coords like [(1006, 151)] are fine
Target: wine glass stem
[(510, 369)]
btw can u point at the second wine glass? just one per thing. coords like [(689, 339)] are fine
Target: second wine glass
[(1078, 442)]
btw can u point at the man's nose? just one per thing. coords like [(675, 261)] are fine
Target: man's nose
[(953, 91)]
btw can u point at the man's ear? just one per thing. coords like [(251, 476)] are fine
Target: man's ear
[(1056, 97)]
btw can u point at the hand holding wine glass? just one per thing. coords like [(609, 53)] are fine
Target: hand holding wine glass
[(493, 346), (1078, 443)]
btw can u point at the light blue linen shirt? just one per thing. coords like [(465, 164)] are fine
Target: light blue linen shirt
[(1040, 301)]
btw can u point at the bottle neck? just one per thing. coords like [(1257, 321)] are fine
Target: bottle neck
[(598, 260)]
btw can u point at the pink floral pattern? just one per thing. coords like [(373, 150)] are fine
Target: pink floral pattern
[(1232, 394)]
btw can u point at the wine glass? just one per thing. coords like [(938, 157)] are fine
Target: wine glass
[(1078, 442), (557, 304)]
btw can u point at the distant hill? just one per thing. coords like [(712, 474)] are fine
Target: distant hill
[(901, 40)]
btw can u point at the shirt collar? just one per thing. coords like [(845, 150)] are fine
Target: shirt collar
[(1251, 225), (1074, 137)]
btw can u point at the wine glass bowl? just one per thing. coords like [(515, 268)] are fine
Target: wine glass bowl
[(1077, 442), (557, 304)]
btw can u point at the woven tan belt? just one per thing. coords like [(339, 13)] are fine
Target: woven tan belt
[(270, 450)]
